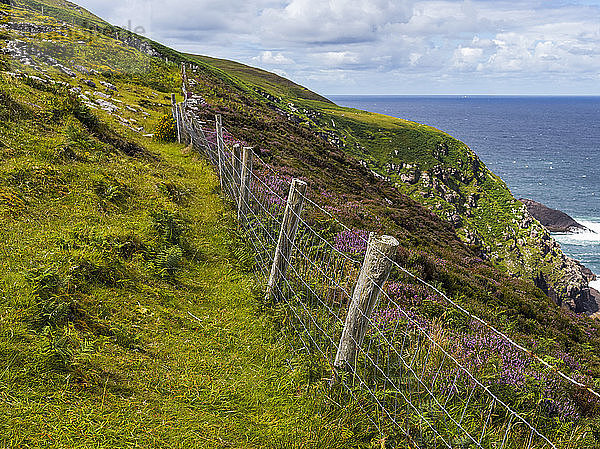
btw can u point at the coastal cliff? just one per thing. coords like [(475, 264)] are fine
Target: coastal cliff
[(441, 173), (128, 282), (446, 176)]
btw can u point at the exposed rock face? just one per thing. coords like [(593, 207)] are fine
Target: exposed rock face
[(552, 219), (139, 44), (593, 310), (461, 189), (589, 274)]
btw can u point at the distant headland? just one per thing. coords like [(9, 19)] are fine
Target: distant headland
[(552, 219)]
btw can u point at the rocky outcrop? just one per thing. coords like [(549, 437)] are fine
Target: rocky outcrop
[(144, 46), (552, 219), (459, 188), (594, 304)]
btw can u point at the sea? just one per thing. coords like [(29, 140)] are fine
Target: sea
[(544, 148)]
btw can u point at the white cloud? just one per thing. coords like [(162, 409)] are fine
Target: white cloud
[(388, 44), (467, 56), (269, 58), (337, 58), (334, 22)]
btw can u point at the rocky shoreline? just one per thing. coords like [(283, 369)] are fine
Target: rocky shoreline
[(559, 222), (552, 219)]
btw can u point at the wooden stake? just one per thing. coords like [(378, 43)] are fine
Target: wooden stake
[(220, 149), (176, 117), (184, 132), (173, 103), (236, 166), (373, 274), (287, 235), (245, 178)]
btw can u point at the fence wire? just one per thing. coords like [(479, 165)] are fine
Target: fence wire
[(432, 385)]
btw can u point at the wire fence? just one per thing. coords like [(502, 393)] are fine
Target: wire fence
[(423, 368)]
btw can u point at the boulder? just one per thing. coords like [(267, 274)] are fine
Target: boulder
[(81, 69), (554, 220), (109, 86)]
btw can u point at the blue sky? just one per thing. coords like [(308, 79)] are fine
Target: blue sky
[(535, 47)]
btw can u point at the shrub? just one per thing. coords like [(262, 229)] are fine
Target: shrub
[(165, 129)]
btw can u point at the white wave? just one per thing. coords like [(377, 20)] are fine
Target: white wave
[(595, 284), (583, 238)]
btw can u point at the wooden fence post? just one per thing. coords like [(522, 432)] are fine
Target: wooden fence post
[(245, 178), (176, 117), (183, 132), (173, 103), (236, 166), (287, 235), (373, 274), (220, 152), (184, 84)]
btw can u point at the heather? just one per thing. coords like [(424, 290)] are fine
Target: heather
[(513, 306), (460, 356)]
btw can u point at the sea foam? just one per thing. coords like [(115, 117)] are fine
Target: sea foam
[(583, 238)]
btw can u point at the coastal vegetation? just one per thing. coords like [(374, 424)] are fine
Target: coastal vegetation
[(439, 172), (130, 314)]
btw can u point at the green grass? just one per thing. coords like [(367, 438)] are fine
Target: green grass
[(270, 82), (130, 316), (197, 365)]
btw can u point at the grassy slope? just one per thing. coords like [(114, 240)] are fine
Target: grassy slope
[(268, 81), (450, 180), (104, 342), (88, 185), (430, 246)]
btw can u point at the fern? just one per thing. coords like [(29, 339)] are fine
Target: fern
[(54, 311), (169, 260), (170, 226), (56, 350), (243, 258)]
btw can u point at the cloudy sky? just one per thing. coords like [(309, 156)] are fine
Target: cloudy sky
[(387, 46)]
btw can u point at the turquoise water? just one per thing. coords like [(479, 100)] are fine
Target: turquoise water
[(544, 148)]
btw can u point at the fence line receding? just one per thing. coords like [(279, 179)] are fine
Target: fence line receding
[(412, 375)]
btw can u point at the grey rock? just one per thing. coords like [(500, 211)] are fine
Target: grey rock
[(109, 86), (66, 70), (552, 219), (81, 69)]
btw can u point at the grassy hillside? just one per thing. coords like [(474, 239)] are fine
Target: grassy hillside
[(129, 314), (262, 79), (125, 284), (432, 247)]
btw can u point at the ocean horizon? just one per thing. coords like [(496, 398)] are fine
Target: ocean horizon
[(545, 148)]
